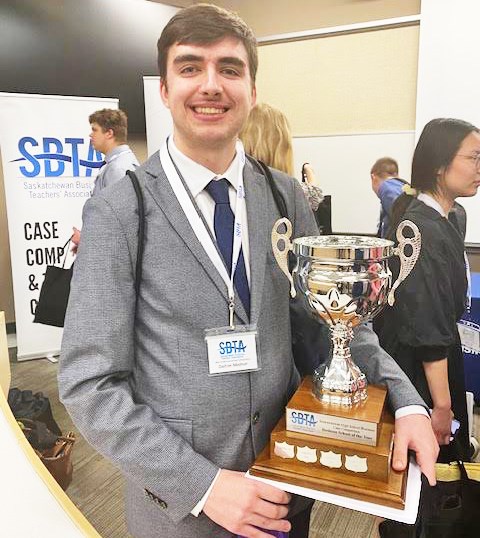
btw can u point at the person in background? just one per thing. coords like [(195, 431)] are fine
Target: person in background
[(267, 136), (310, 187), (387, 186), (135, 372), (109, 136), (420, 331), (319, 204)]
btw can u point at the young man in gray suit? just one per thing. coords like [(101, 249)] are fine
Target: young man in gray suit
[(135, 372)]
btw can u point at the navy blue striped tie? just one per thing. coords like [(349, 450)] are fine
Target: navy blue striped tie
[(223, 223)]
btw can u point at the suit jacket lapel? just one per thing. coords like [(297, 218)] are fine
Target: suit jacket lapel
[(159, 187), (258, 235)]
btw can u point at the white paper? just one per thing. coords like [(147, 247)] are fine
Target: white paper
[(407, 515), (470, 338)]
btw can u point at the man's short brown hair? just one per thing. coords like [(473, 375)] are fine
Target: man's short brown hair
[(385, 167), (204, 24), (114, 119)]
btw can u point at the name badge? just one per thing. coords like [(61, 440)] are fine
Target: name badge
[(232, 351)]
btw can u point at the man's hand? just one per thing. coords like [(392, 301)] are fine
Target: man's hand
[(240, 505), (75, 239), (415, 432)]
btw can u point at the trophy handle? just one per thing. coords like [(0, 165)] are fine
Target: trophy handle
[(407, 261), (281, 255)]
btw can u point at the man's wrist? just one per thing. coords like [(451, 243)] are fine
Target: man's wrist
[(201, 503), (411, 410)]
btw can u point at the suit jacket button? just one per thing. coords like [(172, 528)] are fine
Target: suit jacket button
[(256, 417)]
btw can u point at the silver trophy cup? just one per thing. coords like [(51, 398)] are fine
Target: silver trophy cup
[(346, 281)]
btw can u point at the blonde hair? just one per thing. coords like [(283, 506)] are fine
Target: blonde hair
[(267, 137)]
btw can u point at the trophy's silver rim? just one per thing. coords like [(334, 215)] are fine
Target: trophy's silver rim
[(343, 247)]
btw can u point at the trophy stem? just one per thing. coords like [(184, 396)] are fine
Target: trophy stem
[(342, 382)]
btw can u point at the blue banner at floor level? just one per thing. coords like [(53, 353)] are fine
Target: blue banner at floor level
[(469, 329)]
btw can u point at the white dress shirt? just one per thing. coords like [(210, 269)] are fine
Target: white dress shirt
[(197, 177)]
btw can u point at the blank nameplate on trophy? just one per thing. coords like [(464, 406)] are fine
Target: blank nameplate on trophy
[(357, 424), (342, 468), (314, 455)]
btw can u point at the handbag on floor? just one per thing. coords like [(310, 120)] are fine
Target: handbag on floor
[(54, 451), (25, 404), (53, 299)]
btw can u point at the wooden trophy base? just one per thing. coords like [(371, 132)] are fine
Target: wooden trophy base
[(351, 469), (359, 423)]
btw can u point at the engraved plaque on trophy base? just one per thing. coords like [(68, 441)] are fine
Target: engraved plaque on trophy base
[(316, 454), (357, 424)]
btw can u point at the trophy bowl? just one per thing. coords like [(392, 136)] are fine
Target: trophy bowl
[(346, 281)]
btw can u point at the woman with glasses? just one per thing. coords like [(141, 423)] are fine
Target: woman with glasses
[(420, 331)]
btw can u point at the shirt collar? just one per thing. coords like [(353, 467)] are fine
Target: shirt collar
[(196, 176), (431, 202), (112, 154)]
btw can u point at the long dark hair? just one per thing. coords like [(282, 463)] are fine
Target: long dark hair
[(436, 148)]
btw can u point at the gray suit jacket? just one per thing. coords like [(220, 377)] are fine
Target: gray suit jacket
[(136, 382)]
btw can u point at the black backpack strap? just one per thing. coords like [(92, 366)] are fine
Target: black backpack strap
[(277, 196), (141, 229)]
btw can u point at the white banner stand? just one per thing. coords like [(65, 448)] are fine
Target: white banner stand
[(158, 120), (49, 167)]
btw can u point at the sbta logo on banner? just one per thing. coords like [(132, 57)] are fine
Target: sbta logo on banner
[(51, 157)]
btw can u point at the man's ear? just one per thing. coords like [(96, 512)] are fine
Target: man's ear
[(164, 91), (110, 134)]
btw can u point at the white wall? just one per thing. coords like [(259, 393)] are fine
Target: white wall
[(342, 166), (449, 74)]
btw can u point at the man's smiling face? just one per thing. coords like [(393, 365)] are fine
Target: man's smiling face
[(209, 92)]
